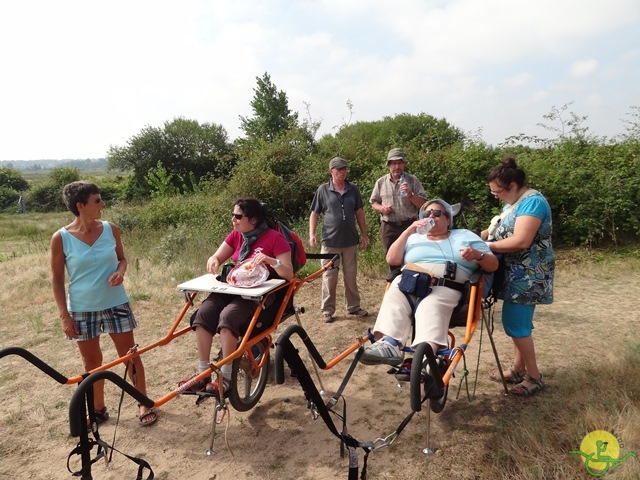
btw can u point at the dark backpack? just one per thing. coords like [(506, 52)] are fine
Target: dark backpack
[(494, 281), (298, 255)]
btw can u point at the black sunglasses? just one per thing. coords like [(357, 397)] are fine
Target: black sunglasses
[(435, 213), (238, 216)]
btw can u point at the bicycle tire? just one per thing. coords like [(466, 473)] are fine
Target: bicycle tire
[(416, 379), (421, 380), (247, 384)]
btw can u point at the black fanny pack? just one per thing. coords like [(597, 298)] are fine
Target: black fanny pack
[(418, 284), (415, 283)]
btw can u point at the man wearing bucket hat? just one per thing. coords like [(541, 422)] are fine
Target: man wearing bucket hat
[(397, 197), (340, 204)]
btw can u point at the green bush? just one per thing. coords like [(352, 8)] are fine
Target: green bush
[(594, 191), (8, 199), (163, 212), (13, 179), (45, 197), (283, 173), (592, 185)]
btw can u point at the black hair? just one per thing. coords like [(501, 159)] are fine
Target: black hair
[(506, 173), (78, 192), (252, 208)]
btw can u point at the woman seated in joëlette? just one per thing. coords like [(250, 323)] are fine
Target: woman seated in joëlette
[(461, 249)]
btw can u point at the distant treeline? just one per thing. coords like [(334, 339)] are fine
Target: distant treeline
[(181, 178), (37, 165)]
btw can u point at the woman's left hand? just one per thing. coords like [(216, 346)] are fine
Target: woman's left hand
[(115, 279)]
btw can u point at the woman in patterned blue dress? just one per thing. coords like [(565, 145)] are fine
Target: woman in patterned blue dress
[(523, 237)]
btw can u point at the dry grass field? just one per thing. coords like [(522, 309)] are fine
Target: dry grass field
[(588, 347)]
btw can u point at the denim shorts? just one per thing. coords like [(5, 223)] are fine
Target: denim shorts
[(517, 319), (118, 319)]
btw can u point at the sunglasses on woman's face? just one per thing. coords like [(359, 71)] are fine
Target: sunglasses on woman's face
[(238, 216), (435, 213)]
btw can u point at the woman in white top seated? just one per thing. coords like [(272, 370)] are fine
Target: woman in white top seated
[(443, 253)]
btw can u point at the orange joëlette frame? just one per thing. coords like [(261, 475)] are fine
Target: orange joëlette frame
[(473, 317), (247, 341)]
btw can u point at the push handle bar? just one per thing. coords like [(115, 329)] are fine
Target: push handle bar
[(30, 357)]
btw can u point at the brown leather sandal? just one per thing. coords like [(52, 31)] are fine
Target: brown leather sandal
[(510, 376), (522, 390), (148, 418), (101, 416)]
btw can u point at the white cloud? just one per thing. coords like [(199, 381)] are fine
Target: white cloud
[(518, 80), (583, 68), (81, 76)]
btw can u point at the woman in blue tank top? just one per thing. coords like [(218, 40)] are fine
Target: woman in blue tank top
[(95, 301)]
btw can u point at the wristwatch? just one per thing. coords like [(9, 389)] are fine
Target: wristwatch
[(277, 264), (481, 256)]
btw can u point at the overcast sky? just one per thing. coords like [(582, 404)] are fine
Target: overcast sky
[(79, 76)]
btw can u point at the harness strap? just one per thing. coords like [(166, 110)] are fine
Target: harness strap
[(115, 428), (86, 444), (315, 401), (292, 357), (103, 448), (436, 282), (444, 282), (346, 379), (142, 464)]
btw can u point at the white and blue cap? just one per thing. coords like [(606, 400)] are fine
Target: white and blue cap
[(440, 202)]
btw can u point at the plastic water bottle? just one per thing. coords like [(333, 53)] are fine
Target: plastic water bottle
[(400, 182), (424, 229)]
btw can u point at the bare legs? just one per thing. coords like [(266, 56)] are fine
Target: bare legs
[(204, 341), (525, 358), (123, 342), (228, 340), (517, 320), (92, 358)]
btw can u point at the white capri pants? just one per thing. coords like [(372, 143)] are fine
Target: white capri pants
[(432, 316)]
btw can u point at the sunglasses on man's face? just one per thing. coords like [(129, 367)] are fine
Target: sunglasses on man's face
[(435, 213), (238, 216)]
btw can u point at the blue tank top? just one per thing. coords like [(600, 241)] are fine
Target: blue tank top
[(89, 268)]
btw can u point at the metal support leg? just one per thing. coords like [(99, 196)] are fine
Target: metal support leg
[(427, 450), (485, 319), (219, 407)]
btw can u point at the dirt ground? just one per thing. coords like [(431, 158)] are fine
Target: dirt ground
[(278, 439)]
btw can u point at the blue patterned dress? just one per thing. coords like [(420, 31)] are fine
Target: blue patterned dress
[(529, 273)]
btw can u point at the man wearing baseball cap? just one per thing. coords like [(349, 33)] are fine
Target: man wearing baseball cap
[(340, 204), (397, 197)]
